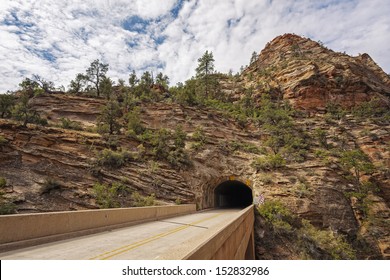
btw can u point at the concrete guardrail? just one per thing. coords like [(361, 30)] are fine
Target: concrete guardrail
[(235, 241), (25, 230)]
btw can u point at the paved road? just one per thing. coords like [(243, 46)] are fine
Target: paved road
[(165, 239)]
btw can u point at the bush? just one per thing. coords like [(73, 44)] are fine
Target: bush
[(199, 135), (68, 124), (178, 158), (371, 109), (3, 182), (3, 141), (7, 208), (277, 215), (6, 103), (326, 241), (134, 125), (160, 143), (358, 162), (112, 159), (335, 111), (309, 242), (320, 134), (142, 201), (266, 179), (107, 196), (179, 137), (178, 201), (269, 162), (245, 147)]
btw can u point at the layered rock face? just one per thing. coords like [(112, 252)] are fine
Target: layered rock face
[(52, 169), (311, 76)]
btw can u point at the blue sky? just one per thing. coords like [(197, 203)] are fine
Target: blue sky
[(58, 39)]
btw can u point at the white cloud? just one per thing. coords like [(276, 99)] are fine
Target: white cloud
[(77, 32)]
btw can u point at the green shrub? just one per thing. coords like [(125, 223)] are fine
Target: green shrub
[(7, 208), (310, 242), (113, 159), (334, 245), (371, 109), (178, 201), (3, 141), (134, 125), (179, 137), (6, 103), (320, 134), (277, 215), (246, 147), (106, 196), (3, 182), (335, 111), (178, 158), (357, 162), (68, 124), (199, 136), (269, 162), (160, 143), (266, 179), (142, 201)]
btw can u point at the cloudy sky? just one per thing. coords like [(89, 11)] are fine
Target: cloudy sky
[(58, 39)]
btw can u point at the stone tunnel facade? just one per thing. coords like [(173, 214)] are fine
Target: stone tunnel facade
[(227, 192)]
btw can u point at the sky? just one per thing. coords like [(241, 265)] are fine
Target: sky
[(58, 39)]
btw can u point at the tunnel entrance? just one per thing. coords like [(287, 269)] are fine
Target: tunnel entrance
[(232, 194)]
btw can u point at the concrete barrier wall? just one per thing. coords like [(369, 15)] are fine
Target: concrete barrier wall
[(44, 227), (235, 241)]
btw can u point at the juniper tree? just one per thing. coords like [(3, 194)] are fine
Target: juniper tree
[(95, 74), (108, 122), (78, 83), (106, 87)]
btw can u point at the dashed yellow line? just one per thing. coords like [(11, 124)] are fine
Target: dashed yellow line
[(129, 247)]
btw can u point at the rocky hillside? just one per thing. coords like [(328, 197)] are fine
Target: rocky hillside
[(322, 165)]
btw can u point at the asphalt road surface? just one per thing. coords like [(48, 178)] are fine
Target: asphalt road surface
[(164, 239)]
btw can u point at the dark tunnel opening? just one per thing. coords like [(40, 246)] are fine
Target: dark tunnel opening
[(233, 194)]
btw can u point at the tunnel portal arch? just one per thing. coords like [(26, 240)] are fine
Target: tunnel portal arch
[(232, 194)]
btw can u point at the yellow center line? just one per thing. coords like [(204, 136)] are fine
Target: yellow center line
[(129, 247)]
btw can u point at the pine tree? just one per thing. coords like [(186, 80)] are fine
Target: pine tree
[(253, 58), (205, 69)]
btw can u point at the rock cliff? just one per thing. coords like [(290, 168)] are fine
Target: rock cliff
[(52, 168)]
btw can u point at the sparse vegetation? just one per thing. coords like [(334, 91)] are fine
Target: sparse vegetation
[(106, 195), (7, 101), (310, 242), (69, 124), (358, 162), (24, 112), (269, 162), (3, 141), (134, 126), (3, 182), (7, 208), (199, 137), (114, 159), (108, 121), (142, 201)]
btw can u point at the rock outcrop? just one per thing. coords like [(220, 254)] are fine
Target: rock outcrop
[(52, 169), (311, 76)]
